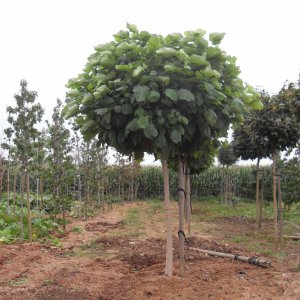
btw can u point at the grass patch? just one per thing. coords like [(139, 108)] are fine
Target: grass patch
[(76, 229), (133, 218), (19, 281), (47, 282)]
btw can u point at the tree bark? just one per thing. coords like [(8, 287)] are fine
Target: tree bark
[(167, 202), (181, 217), (280, 214), (28, 207), (188, 197), (275, 213), (21, 208), (15, 191), (258, 219), (8, 190)]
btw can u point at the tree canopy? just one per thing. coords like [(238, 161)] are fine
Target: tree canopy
[(168, 95)]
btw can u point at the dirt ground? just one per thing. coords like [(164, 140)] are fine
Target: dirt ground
[(103, 260)]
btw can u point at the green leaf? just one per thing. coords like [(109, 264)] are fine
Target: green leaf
[(172, 94), (87, 125), (184, 94), (132, 28), (141, 92), (137, 71), (166, 51), (164, 79), (124, 67), (216, 37), (70, 110), (143, 122), (101, 111), (210, 117), (105, 102), (100, 91), (127, 109), (170, 68), (175, 136), (154, 96), (150, 131), (131, 126), (161, 142), (198, 60), (87, 98)]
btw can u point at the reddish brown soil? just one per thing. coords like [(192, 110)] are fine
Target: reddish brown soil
[(98, 264)]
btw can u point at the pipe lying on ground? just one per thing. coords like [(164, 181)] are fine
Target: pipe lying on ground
[(251, 260)]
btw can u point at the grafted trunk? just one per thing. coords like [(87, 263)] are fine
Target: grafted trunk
[(167, 205)]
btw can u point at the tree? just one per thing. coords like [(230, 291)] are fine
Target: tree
[(265, 134), (169, 96), (59, 148), (226, 157), (23, 118)]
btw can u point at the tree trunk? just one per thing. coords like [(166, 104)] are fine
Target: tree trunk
[(167, 202), (275, 216), (258, 219), (15, 191), (181, 217), (41, 194), (280, 215), (8, 191), (188, 197), (261, 201), (28, 207), (21, 208)]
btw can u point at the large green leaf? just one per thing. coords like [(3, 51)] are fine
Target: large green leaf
[(216, 37), (137, 71), (150, 131), (127, 109), (132, 126), (154, 96), (141, 92), (88, 97), (184, 94), (172, 94), (198, 60), (132, 28), (166, 51), (175, 136), (143, 122), (70, 110), (164, 79), (101, 111), (100, 91), (210, 117)]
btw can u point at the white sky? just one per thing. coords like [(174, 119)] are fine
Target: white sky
[(47, 42)]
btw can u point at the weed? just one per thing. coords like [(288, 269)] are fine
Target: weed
[(76, 229), (47, 282), (19, 281)]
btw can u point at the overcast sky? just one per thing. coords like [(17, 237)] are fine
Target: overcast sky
[(47, 42)]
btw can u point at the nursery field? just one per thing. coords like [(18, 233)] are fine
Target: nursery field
[(121, 255)]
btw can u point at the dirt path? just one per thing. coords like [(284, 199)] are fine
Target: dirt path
[(103, 260)]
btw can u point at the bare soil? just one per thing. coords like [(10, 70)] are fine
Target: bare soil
[(106, 260)]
